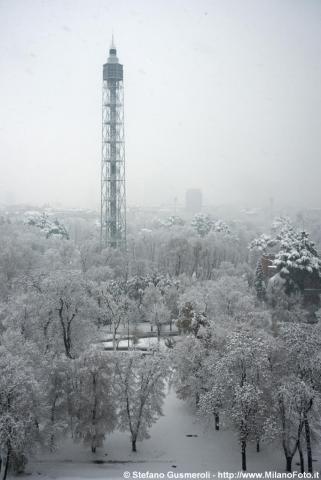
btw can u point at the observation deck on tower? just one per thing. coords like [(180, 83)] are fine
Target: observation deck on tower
[(113, 70)]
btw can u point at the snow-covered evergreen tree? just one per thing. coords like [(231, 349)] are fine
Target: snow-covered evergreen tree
[(297, 261)]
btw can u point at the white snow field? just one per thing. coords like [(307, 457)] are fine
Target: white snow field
[(168, 450)]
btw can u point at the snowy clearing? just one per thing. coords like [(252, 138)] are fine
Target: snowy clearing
[(168, 449)]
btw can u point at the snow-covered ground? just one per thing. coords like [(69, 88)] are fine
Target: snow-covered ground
[(145, 342), (168, 449), (143, 327)]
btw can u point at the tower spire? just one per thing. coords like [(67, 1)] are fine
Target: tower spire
[(112, 45)]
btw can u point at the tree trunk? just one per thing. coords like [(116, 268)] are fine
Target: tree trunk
[(289, 464), (243, 446), (5, 465), (258, 446), (134, 446), (67, 343), (301, 457), (93, 418), (217, 421), (53, 415), (308, 444)]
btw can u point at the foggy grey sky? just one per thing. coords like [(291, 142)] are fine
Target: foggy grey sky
[(222, 95)]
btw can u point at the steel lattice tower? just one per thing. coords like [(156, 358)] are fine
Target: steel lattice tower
[(113, 191)]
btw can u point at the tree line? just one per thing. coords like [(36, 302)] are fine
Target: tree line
[(247, 353)]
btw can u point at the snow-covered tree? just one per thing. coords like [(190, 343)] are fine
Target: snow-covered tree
[(159, 315), (226, 294), (171, 295), (237, 386), (302, 343), (71, 310), (298, 262), (152, 296), (115, 308), (48, 226), (221, 227), (172, 221), (190, 320), (93, 405), (141, 386), (188, 361), (295, 258), (18, 256), (289, 404), (55, 379), (20, 397), (136, 286), (202, 223), (262, 244), (248, 402), (175, 254), (281, 224), (212, 392), (192, 305)]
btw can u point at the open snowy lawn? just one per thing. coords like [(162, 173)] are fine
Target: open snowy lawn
[(168, 449)]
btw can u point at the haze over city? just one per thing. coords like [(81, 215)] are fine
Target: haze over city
[(222, 96)]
